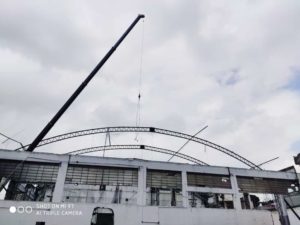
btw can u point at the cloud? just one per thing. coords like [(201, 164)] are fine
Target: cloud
[(294, 82), (230, 66)]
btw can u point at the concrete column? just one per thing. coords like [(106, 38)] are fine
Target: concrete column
[(284, 218), (236, 194), (142, 175), (60, 181), (250, 202), (185, 194)]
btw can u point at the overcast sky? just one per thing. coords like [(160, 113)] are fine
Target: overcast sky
[(231, 65)]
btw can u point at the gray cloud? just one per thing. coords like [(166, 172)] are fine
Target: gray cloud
[(227, 65)]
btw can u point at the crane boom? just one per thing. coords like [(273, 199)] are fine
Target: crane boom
[(62, 110)]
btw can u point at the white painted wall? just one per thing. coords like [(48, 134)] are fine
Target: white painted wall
[(134, 215), (292, 217)]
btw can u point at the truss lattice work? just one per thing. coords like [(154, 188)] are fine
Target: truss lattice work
[(137, 147), (133, 129)]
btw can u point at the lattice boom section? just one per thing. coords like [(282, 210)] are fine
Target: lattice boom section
[(264, 185), (95, 175), (208, 180), (31, 172), (164, 179)]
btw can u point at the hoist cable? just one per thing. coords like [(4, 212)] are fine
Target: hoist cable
[(138, 108)]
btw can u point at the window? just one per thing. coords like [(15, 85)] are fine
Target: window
[(94, 175), (164, 188), (34, 172), (27, 181), (164, 179), (210, 200), (208, 180), (98, 184), (264, 185)]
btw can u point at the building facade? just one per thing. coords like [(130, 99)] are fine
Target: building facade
[(50, 189)]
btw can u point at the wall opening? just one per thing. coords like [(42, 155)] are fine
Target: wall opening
[(210, 200), (102, 216), (258, 192), (208, 180), (164, 188), (96, 184), (27, 181)]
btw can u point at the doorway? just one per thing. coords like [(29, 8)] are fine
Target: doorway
[(102, 216)]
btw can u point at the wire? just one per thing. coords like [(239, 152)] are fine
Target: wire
[(138, 108), (187, 142), (12, 136), (8, 138)]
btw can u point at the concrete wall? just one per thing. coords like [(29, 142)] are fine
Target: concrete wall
[(140, 214), (292, 217), (134, 215)]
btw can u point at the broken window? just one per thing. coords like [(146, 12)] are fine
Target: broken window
[(208, 180), (94, 175), (101, 184), (164, 188), (29, 191), (210, 200), (264, 185), (261, 201), (27, 181), (253, 201), (258, 192)]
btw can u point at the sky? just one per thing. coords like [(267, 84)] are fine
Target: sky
[(231, 65)]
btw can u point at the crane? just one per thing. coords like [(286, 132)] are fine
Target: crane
[(67, 104)]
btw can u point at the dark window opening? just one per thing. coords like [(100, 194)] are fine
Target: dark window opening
[(40, 223), (258, 201), (154, 196), (210, 200), (29, 191), (27, 181), (102, 216)]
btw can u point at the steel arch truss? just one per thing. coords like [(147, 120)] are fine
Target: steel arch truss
[(136, 147), (145, 130)]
